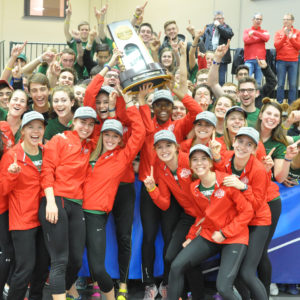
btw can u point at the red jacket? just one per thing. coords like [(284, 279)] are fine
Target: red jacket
[(180, 128), (254, 45), (180, 189), (228, 210), (22, 189), (90, 100), (103, 180), (65, 164), (287, 49), (8, 140), (256, 177)]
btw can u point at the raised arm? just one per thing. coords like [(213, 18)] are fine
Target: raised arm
[(139, 11), (213, 74), (47, 57), (15, 52), (67, 33), (100, 16), (193, 49)]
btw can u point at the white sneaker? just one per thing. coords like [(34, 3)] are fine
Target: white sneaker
[(150, 292), (274, 289), (163, 291)]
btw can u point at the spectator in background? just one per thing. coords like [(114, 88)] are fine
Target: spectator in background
[(218, 33), (255, 39), (5, 93), (241, 71), (287, 44), (79, 92)]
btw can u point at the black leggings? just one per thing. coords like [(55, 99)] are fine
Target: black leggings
[(32, 261), (265, 266), (247, 279), (197, 251), (123, 211), (7, 250), (151, 217), (194, 276), (65, 243), (96, 245)]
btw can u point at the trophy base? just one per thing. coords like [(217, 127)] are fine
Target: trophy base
[(132, 79)]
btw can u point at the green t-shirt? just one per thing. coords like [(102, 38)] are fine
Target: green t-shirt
[(252, 118), (296, 138), (109, 42), (78, 201), (3, 114), (235, 171), (43, 68), (193, 73), (280, 150), (82, 72), (54, 127), (37, 159), (294, 175), (219, 134), (207, 192)]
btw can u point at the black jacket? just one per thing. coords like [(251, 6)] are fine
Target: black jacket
[(226, 33)]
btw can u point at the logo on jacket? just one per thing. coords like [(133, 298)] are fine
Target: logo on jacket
[(171, 127), (245, 180), (219, 193), (185, 173)]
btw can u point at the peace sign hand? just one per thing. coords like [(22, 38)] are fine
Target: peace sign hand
[(149, 181), (14, 168)]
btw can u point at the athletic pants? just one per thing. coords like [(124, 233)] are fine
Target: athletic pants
[(265, 266), (247, 281), (7, 250), (194, 276), (65, 243), (197, 251), (31, 264), (151, 217), (123, 211)]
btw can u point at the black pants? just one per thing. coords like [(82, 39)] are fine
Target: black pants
[(31, 266), (96, 245), (197, 251), (65, 243), (123, 211), (265, 266), (151, 217), (247, 281), (194, 276), (7, 250)]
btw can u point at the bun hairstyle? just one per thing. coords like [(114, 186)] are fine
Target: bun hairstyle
[(277, 133)]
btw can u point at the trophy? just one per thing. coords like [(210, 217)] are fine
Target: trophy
[(139, 65)]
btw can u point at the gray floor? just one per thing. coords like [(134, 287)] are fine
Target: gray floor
[(137, 293)]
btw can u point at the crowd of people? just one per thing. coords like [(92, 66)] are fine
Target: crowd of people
[(208, 151)]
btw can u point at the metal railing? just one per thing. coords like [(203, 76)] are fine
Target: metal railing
[(2, 55), (33, 49)]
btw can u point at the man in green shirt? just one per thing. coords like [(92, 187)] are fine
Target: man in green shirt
[(247, 92)]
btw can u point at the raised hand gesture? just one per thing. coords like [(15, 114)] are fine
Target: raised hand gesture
[(17, 50), (149, 181), (69, 9), (14, 168)]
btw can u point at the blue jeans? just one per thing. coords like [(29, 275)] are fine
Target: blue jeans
[(290, 68), (222, 73), (254, 68)]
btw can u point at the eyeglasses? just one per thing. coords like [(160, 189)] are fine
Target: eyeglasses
[(258, 19), (249, 91), (286, 19), (109, 75)]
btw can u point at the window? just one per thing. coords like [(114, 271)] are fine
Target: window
[(45, 8)]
